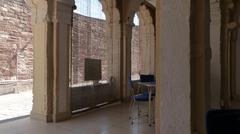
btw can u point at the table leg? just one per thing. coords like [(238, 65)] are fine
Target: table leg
[(149, 106)]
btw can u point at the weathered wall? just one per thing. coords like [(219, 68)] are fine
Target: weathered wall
[(16, 51), (173, 67), (88, 41), (215, 30)]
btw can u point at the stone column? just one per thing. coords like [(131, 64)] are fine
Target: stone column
[(126, 56), (61, 46), (147, 41), (229, 53), (114, 43), (42, 44), (226, 7), (173, 103), (116, 57), (200, 63), (51, 40), (215, 31)]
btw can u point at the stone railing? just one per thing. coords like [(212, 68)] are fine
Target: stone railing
[(15, 86)]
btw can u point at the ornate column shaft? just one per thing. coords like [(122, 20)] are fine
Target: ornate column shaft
[(62, 22), (41, 25), (147, 41), (52, 39), (126, 56), (114, 43)]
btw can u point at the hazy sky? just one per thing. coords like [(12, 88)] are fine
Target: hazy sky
[(94, 10), (136, 20)]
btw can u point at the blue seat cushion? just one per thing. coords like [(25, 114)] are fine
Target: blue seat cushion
[(141, 97), (146, 93)]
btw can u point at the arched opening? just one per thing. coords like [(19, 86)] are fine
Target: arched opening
[(142, 43), (88, 40), (147, 39), (135, 50), (90, 63), (90, 8), (16, 58)]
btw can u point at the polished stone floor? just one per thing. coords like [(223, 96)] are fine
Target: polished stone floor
[(109, 120)]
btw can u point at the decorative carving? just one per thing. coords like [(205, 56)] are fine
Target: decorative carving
[(39, 10), (147, 40), (230, 39)]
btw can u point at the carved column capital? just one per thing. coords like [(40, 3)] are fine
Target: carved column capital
[(35, 2), (39, 10), (145, 15)]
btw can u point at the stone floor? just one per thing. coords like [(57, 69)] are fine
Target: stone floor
[(15, 105), (110, 120)]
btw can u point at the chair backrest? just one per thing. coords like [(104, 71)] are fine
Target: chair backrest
[(223, 122), (147, 78), (130, 84)]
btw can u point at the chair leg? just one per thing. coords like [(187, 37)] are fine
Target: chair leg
[(131, 109), (138, 112), (152, 113)]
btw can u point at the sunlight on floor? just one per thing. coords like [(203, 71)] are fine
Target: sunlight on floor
[(15, 105), (108, 120)]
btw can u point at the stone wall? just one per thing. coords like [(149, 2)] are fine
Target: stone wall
[(88, 41), (16, 50)]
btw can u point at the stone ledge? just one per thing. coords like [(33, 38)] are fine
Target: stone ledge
[(7, 87)]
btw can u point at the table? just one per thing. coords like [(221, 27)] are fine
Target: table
[(150, 87)]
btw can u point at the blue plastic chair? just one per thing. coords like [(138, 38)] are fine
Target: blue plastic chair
[(135, 99)]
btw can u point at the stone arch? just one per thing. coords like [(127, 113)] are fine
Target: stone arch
[(147, 40), (130, 9), (112, 13), (105, 9), (91, 19)]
